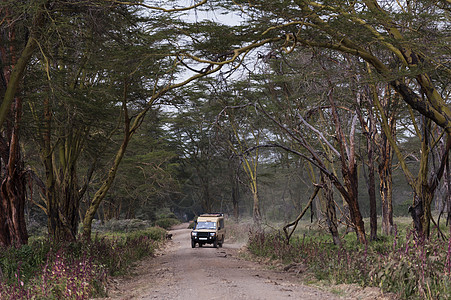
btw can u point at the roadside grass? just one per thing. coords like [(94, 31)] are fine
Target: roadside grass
[(399, 264), (78, 270), (238, 232)]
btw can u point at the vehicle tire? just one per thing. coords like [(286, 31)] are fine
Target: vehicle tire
[(193, 244), (215, 244)]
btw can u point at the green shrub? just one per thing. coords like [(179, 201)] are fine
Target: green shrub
[(153, 233), (28, 259), (165, 213), (125, 225), (167, 223), (409, 267), (78, 270)]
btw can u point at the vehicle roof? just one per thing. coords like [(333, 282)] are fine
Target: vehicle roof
[(208, 218), (212, 215)]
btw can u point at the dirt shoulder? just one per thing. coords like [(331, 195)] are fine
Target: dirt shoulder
[(182, 272)]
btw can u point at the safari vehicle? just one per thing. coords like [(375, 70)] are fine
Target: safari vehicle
[(208, 229)]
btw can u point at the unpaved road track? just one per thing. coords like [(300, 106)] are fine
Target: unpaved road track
[(181, 272)]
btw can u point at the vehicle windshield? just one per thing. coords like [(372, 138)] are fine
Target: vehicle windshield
[(206, 225)]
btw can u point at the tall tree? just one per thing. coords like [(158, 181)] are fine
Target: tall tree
[(208, 163), (313, 121), (72, 100), (197, 57), (19, 35), (149, 179), (371, 32)]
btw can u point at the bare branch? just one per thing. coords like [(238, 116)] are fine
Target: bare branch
[(157, 7), (319, 134)]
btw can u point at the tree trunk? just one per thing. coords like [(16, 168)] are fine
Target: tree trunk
[(424, 189), (423, 195), (235, 197), (13, 229), (421, 210), (331, 215), (256, 210), (63, 210), (12, 176), (15, 74), (349, 170), (372, 194), (385, 187), (106, 184), (206, 198), (351, 182), (101, 192), (446, 187), (370, 132), (448, 193), (62, 193)]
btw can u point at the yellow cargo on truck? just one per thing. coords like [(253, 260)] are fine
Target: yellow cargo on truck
[(209, 229)]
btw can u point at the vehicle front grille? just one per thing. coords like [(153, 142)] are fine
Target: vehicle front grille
[(202, 234)]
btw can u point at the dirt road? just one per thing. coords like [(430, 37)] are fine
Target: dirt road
[(209, 273)]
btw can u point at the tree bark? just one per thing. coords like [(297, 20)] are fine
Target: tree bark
[(349, 171), (256, 214), (12, 176), (18, 68), (448, 193), (235, 196), (385, 186), (64, 207), (370, 131), (13, 229), (331, 214), (372, 192)]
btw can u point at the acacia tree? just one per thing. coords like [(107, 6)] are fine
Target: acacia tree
[(205, 138), (73, 103), (245, 130), (19, 35), (124, 82), (201, 158), (425, 183), (371, 32), (305, 106), (377, 143), (190, 57), (249, 163), (149, 178)]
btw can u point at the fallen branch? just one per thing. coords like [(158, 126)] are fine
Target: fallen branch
[(295, 222)]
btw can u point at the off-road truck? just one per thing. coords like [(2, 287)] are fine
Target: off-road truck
[(208, 229)]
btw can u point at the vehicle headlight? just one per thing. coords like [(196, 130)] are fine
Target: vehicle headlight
[(212, 233), (193, 233)]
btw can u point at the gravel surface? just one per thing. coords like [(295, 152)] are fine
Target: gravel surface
[(181, 272)]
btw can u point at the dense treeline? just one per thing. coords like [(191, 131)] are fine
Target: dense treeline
[(129, 110)]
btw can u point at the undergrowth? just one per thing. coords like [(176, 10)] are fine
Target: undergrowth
[(78, 270), (406, 266)]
